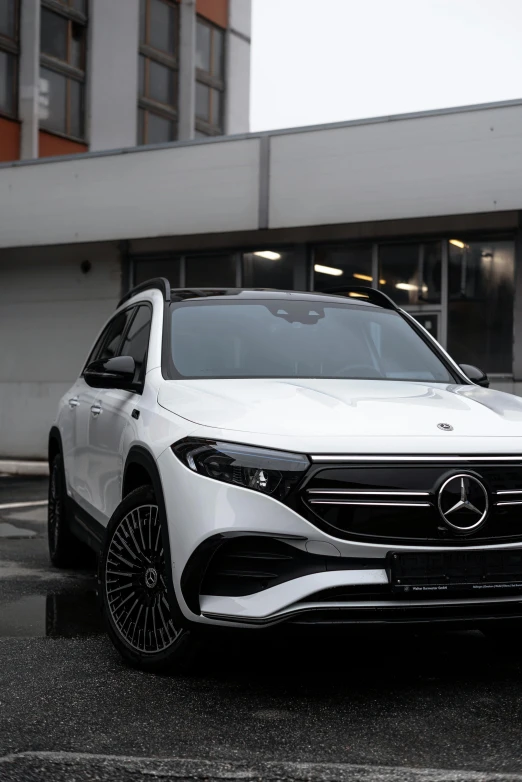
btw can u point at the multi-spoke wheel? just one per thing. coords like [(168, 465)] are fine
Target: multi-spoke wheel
[(144, 622), (65, 551)]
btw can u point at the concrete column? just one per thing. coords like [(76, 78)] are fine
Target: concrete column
[(112, 74), (29, 77), (237, 73), (187, 70)]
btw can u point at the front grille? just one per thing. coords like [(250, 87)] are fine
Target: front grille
[(397, 503)]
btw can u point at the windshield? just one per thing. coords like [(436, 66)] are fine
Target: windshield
[(298, 339)]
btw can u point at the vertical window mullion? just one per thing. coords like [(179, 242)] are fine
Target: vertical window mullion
[(68, 106)]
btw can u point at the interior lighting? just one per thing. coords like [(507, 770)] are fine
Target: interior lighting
[(327, 270), (268, 254), (457, 243)]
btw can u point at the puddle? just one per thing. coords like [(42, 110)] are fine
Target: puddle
[(53, 616)]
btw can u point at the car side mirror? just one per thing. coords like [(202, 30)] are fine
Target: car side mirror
[(117, 372), (475, 374)]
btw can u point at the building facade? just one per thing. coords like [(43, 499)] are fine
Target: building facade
[(90, 75), (426, 207)]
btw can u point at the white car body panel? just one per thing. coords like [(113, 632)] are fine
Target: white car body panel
[(316, 417)]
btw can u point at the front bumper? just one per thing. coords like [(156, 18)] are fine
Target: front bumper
[(351, 582)]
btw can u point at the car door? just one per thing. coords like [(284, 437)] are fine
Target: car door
[(111, 411), (84, 482)]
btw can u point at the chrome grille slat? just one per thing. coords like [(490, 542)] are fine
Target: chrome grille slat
[(382, 492), (398, 458), (373, 504)]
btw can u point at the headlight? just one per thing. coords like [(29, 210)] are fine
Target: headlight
[(270, 472)]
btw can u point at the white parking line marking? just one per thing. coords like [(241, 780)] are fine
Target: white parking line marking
[(33, 504)]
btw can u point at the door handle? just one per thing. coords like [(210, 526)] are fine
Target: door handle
[(74, 402), (96, 410)]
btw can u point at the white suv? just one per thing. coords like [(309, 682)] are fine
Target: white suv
[(247, 457)]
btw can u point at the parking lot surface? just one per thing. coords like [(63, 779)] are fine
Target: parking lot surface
[(383, 704)]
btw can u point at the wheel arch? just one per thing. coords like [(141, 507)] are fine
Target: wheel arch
[(141, 470)]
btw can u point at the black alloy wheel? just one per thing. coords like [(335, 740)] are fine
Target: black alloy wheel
[(143, 619), (65, 550)]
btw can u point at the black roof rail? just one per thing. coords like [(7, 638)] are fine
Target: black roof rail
[(376, 297), (160, 283)]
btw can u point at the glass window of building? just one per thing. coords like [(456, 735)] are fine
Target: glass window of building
[(337, 266), (210, 83), (411, 273), (210, 271), (268, 269), (480, 307), (9, 51), (63, 36), (158, 71), (145, 269)]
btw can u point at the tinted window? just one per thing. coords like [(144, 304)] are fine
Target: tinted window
[(211, 271), (481, 285), (109, 342), (136, 342), (298, 339)]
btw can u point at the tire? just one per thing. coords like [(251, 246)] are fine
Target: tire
[(142, 615), (65, 550)]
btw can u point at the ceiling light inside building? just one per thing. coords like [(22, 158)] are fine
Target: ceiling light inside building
[(457, 243), (363, 277), (327, 270), (406, 286), (268, 254)]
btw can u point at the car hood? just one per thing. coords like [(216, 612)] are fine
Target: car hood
[(349, 409)]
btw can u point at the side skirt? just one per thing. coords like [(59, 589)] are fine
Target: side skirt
[(84, 527)]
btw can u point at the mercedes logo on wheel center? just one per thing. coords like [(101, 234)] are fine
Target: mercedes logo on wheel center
[(463, 503)]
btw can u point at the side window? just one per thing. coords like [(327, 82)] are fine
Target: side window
[(136, 340), (108, 343)]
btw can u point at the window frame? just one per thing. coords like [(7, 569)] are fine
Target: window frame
[(11, 47), (147, 105), (66, 70), (213, 82)]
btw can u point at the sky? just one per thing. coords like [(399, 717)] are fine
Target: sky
[(318, 61)]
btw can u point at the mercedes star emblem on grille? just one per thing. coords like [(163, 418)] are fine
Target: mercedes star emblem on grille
[(463, 503)]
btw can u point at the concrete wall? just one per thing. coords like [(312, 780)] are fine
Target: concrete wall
[(439, 164), (50, 313), (113, 74), (199, 188)]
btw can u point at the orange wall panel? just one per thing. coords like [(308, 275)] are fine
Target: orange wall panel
[(9, 140), (51, 145), (214, 10)]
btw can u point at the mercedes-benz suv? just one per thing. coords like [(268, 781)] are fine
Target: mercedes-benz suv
[(242, 458)]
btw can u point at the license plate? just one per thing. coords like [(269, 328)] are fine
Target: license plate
[(455, 571)]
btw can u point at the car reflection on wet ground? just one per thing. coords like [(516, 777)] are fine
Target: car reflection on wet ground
[(385, 704)]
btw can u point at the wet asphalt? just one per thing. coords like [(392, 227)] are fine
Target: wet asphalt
[(369, 705)]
